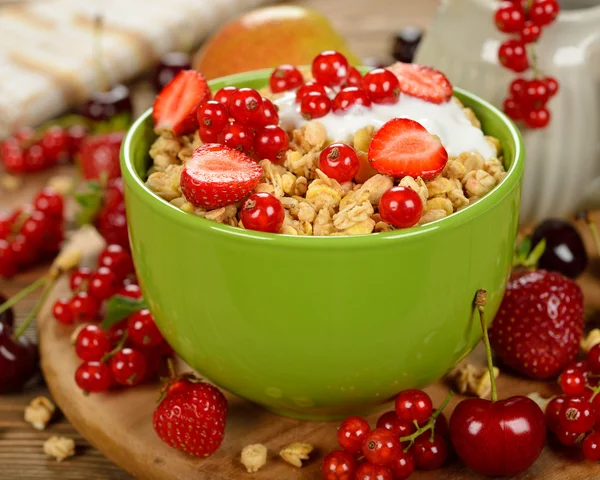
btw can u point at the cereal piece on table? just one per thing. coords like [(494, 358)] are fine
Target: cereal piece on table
[(439, 186), (417, 185), (478, 183), (591, 339), (59, 448), (354, 209), (311, 136), (164, 151), (472, 117), (323, 224), (377, 185), (254, 457), (362, 138), (494, 143), (471, 160), (39, 412), (166, 183), (296, 452), (472, 380), (431, 216), (63, 184), (454, 169), (439, 203), (10, 183)]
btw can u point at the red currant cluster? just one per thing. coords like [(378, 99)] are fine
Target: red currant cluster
[(31, 233), (574, 417), (242, 119), (413, 436), (29, 151), (525, 19)]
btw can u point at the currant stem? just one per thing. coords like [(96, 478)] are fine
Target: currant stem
[(49, 283), (595, 391), (480, 301), (117, 349), (23, 293)]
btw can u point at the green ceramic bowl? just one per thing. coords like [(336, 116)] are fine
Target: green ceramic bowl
[(319, 327)]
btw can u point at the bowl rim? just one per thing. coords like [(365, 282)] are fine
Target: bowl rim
[(508, 183)]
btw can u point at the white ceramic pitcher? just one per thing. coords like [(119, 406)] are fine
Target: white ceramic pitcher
[(563, 160)]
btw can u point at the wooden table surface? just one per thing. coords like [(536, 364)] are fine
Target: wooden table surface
[(369, 28)]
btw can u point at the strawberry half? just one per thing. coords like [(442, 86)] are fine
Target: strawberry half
[(176, 105), (423, 82), (404, 147), (217, 175)]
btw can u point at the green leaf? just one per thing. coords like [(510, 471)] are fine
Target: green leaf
[(534, 257), (119, 307), (118, 123), (90, 201), (522, 252)]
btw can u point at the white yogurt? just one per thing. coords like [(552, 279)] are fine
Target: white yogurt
[(446, 120)]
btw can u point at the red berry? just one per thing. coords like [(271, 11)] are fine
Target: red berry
[(245, 104), (34, 158), (413, 405), (85, 308), (92, 343), (577, 415), (79, 279), (430, 455), (223, 95), (285, 77), (262, 212), (117, 259), (552, 85), (536, 93), (349, 97), (591, 447), (62, 311), (543, 12), (142, 330), (580, 365), (368, 471), (513, 108), (116, 331), (593, 359), (25, 251), (315, 105), (537, 118), (128, 367), (352, 433), (390, 421), (76, 134), (572, 382), (338, 465), (49, 202), (268, 115), (553, 410), (55, 144), (8, 264), (354, 78), (209, 135), (238, 136), (309, 87), (271, 143), (12, 156), (339, 161), (103, 284), (509, 17), (330, 68), (517, 88), (36, 228), (213, 115), (530, 32), (513, 55), (382, 86), (25, 136), (93, 377), (401, 207), (402, 466), (130, 290), (567, 437), (381, 446)]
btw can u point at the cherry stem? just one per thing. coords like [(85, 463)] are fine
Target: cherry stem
[(593, 229), (428, 426), (117, 349), (23, 293), (480, 301), (49, 283)]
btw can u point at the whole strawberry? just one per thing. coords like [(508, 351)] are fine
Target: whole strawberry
[(539, 324), (191, 417)]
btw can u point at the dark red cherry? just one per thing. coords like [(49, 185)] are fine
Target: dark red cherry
[(406, 42), (8, 316), (104, 105), (18, 360), (170, 65)]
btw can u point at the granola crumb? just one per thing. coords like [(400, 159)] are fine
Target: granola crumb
[(296, 452), (10, 183), (39, 412), (541, 401), (591, 339), (471, 380), (254, 457), (59, 448)]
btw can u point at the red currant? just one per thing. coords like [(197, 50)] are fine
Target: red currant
[(12, 156), (401, 207), (34, 158), (62, 311), (349, 97), (128, 367), (49, 202), (54, 143), (25, 136), (130, 290), (552, 85), (245, 104), (223, 95), (382, 86), (567, 437), (271, 143), (238, 136), (593, 359), (572, 382), (553, 410), (543, 12), (285, 77), (530, 32), (80, 278), (103, 284), (24, 250), (268, 116), (85, 308), (262, 212), (213, 115), (513, 108), (354, 78), (315, 105), (92, 343), (338, 465), (591, 447), (402, 466), (440, 425), (381, 446), (517, 87), (509, 17), (577, 415), (117, 259), (537, 118), (430, 454), (8, 263), (35, 228), (536, 93), (339, 161), (413, 405), (116, 331), (513, 55), (93, 377), (208, 135), (352, 433), (368, 471), (390, 421), (76, 134), (142, 330), (309, 87), (330, 68)]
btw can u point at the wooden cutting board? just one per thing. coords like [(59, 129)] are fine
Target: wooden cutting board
[(120, 423)]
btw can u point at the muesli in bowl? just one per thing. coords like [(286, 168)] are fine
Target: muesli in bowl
[(325, 153)]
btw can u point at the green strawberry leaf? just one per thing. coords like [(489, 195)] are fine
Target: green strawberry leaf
[(534, 257), (523, 250), (90, 201), (120, 307), (118, 123)]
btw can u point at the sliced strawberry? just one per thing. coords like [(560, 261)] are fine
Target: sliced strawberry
[(404, 147), (176, 105), (217, 175), (423, 82)]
